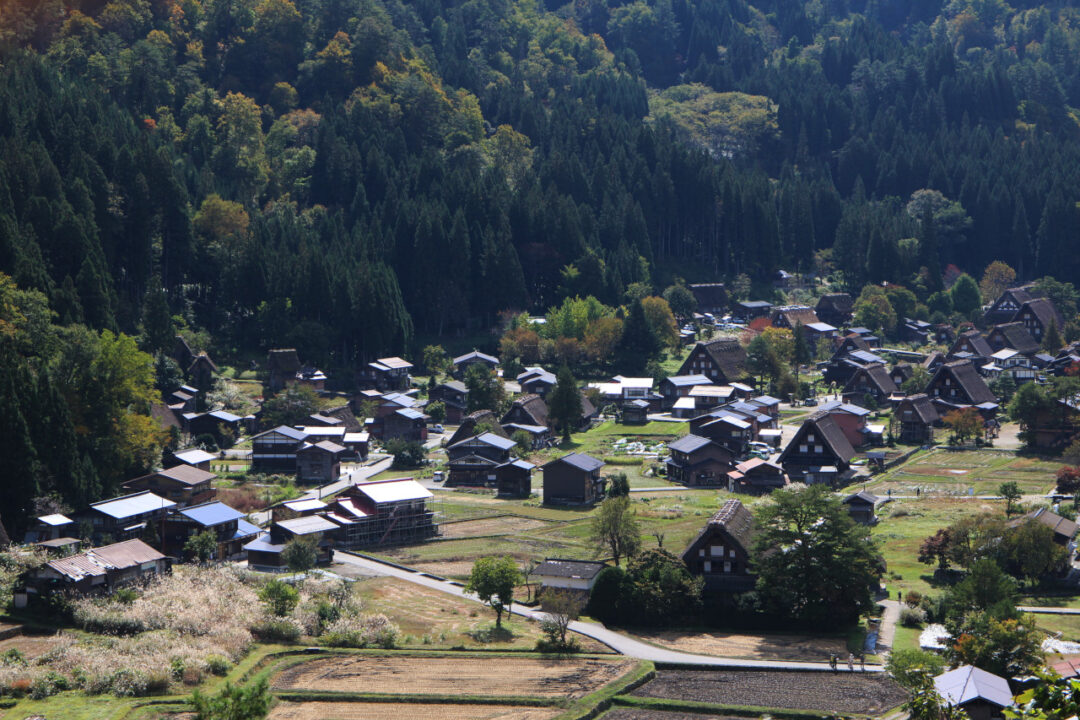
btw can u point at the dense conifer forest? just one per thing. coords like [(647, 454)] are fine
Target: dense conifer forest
[(343, 174)]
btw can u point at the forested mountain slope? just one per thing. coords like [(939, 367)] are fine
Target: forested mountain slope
[(341, 174)]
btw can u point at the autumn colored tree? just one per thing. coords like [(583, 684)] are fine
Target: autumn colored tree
[(997, 278), (661, 321), (964, 423), (936, 549)]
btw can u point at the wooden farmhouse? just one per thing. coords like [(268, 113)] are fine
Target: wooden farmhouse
[(721, 552), (819, 452), (101, 569), (573, 479), (722, 361), (698, 461), (183, 484)]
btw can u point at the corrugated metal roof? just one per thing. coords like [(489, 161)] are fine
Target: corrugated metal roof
[(194, 456), (967, 683), (688, 380), (212, 513), (131, 505), (263, 544), (245, 529), (304, 505), (308, 525), (689, 443), (395, 363), (581, 461), (384, 491), (55, 519), (187, 474), (291, 433)]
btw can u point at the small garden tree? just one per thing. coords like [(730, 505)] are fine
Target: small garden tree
[(279, 596), (201, 546), (965, 423), (1011, 492), (493, 580), (436, 411), (300, 554), (562, 607), (615, 528)]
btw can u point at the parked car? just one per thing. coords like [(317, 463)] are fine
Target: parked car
[(438, 429), (810, 402)]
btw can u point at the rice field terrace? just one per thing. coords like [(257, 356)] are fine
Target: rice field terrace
[(961, 472), (419, 711), (419, 675), (847, 693)]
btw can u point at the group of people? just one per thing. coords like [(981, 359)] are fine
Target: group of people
[(851, 658)]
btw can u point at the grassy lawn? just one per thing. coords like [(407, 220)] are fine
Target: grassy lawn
[(945, 472), (903, 526), (1067, 625)]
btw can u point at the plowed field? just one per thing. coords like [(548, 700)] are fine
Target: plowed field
[(505, 525), (491, 676), (420, 711), (862, 693)]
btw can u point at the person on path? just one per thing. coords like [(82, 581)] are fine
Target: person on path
[(832, 662), (850, 662), (862, 662)]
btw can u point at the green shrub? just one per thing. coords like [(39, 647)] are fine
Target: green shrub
[(125, 595), (276, 631), (217, 665), (912, 617), (279, 596)]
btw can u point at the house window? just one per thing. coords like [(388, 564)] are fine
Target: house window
[(727, 567), (802, 448), (818, 449)]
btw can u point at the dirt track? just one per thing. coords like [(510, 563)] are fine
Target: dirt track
[(381, 711), (489, 676), (835, 693)]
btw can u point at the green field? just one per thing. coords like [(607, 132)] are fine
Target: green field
[(956, 473)]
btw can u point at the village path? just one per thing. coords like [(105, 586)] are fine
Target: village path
[(889, 618), (1048, 610), (618, 642)]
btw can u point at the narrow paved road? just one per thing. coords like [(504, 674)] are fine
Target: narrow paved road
[(1048, 610), (618, 642)]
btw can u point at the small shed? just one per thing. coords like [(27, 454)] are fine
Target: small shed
[(982, 695), (569, 574)]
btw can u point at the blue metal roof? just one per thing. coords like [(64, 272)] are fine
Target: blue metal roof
[(245, 529), (213, 513)]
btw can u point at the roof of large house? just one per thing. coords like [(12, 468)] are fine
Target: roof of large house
[(533, 373), (324, 446), (384, 491), (394, 363), (1017, 337), (291, 433), (581, 461), (921, 405), (877, 375), (55, 519), (838, 406), (967, 683), (476, 355), (688, 443), (862, 497), (978, 342), (831, 435), (728, 355), (186, 474), (688, 380), (97, 561), (532, 405), (756, 462), (1060, 525), (194, 456), (557, 567), (796, 314), (455, 385), (839, 302), (470, 421), (283, 360), (307, 525), (130, 505), (735, 519), (211, 513), (968, 378), (497, 441), (1043, 309)]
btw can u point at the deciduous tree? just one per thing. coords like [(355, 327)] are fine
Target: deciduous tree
[(493, 580), (615, 528)]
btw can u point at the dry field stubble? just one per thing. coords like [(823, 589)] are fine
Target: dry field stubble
[(420, 711), (505, 525), (846, 693), (439, 675), (755, 647)]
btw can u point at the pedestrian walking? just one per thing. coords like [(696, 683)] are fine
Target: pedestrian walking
[(862, 662), (850, 662), (832, 662)]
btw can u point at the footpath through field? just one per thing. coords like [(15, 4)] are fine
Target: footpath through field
[(618, 642)]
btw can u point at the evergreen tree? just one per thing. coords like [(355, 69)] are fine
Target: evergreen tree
[(637, 345), (564, 402)]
